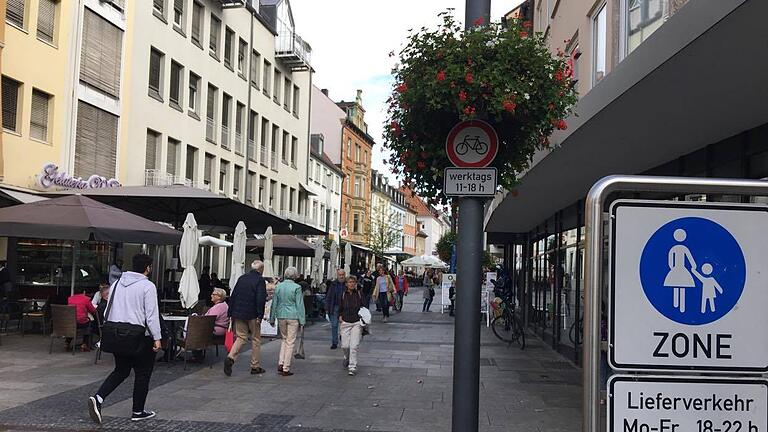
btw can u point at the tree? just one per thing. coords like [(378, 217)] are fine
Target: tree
[(384, 231), (445, 246)]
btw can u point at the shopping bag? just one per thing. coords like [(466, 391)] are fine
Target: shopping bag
[(229, 338)]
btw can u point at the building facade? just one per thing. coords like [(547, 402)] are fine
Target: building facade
[(324, 181), (409, 229), (429, 221), (356, 150)]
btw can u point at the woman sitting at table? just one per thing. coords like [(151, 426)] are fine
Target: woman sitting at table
[(83, 307), (218, 310)]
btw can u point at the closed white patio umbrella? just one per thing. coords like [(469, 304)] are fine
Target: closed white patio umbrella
[(348, 258), (238, 255), (268, 254), (317, 263), (189, 287), (334, 260)]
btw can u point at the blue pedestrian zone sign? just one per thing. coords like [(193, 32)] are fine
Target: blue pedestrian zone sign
[(688, 287), (693, 271)]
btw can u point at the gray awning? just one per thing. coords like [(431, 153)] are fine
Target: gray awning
[(697, 80)]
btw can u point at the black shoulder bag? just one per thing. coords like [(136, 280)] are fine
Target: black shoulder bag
[(119, 338)]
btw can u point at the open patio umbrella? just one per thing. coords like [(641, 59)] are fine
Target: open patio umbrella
[(189, 287), (283, 245), (317, 264), (424, 261), (238, 255), (268, 254), (333, 262), (348, 258)]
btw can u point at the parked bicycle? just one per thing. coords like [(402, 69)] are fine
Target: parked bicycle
[(475, 144), (507, 325), (577, 329)]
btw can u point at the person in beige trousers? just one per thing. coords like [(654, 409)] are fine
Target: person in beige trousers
[(246, 308), (350, 325), (288, 309)]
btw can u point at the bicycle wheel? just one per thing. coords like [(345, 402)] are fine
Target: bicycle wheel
[(462, 148), (502, 328), (572, 333), (481, 148), (518, 331)]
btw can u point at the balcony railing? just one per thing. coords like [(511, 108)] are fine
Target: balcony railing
[(225, 136), (251, 150), (210, 130), (162, 178), (263, 155), (238, 143), (273, 160), (292, 49)]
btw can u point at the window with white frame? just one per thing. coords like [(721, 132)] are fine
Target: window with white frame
[(101, 54), (178, 14), (172, 157), (242, 50), (229, 41), (15, 12), (197, 24), (151, 153), (643, 17), (156, 60), (215, 34), (599, 44), (40, 115), (176, 95), (46, 21), (194, 93), (255, 68)]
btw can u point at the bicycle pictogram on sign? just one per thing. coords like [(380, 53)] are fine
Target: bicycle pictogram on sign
[(472, 144)]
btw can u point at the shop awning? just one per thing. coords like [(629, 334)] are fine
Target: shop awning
[(284, 245), (172, 203), (697, 80), (76, 217), (9, 197)]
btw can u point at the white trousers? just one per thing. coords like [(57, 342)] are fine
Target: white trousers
[(351, 333), (288, 329)]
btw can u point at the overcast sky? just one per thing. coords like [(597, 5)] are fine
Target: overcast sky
[(351, 40)]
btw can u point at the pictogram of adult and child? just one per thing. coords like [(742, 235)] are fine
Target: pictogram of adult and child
[(680, 276)]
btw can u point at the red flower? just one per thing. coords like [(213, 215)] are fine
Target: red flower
[(402, 88), (561, 125), (469, 78), (478, 21), (559, 75), (462, 95), (421, 164), (469, 110), (523, 34), (509, 106), (441, 76), (527, 24), (395, 128)]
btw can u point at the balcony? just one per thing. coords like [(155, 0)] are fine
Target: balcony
[(359, 203), (361, 169), (162, 178), (251, 150), (225, 136), (227, 4), (263, 155), (292, 50), (238, 143), (210, 130)]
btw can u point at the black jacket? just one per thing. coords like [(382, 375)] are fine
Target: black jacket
[(248, 297)]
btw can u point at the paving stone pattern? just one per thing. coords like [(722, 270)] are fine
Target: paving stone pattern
[(403, 385)]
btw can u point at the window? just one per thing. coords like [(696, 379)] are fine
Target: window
[(336, 219), (267, 86), (158, 8), (229, 37), (264, 137), (283, 197), (599, 34), (362, 187), (296, 101), (291, 199), (38, 125), (349, 148), (153, 142), (272, 193), (314, 211), (294, 150), (210, 114), (224, 176), (357, 188), (287, 95), (275, 143), (194, 93), (276, 87), (197, 23), (10, 104), (239, 114), (357, 153), (573, 59), (242, 49), (226, 114), (643, 18), (177, 78), (172, 157), (322, 214), (255, 68), (46, 21), (250, 186), (208, 169), (95, 142), (236, 183), (213, 42), (356, 223), (100, 59), (253, 122), (285, 147), (263, 191), (191, 167), (156, 73), (178, 14), (14, 12), (348, 179), (317, 171)]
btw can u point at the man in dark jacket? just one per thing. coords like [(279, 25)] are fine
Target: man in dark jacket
[(333, 303), (246, 308)]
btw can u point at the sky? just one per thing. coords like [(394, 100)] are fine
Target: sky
[(351, 41)]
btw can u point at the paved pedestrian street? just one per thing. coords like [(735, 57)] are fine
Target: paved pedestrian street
[(403, 384)]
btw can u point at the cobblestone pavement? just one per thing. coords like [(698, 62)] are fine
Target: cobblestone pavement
[(403, 385)]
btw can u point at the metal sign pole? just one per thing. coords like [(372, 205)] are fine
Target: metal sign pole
[(466, 347), (593, 279)]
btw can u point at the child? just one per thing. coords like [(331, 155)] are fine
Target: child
[(709, 287)]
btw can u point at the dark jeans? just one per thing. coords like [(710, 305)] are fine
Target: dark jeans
[(86, 335), (142, 365), (401, 295), (367, 300), (333, 315), (427, 304), (384, 302)]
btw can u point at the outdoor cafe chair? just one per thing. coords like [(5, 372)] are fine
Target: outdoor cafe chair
[(199, 335), (64, 320), (31, 312), (98, 345)]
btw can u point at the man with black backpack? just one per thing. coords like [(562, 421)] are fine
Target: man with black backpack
[(132, 333)]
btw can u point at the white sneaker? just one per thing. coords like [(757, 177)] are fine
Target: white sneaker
[(352, 372)]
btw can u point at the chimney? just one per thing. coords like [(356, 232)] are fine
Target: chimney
[(325, 91)]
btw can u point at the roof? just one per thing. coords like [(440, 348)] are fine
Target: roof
[(422, 234), (325, 160), (417, 204), (364, 135)]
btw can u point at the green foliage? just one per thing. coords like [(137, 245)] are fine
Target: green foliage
[(488, 260), (503, 75), (445, 245), (383, 231)]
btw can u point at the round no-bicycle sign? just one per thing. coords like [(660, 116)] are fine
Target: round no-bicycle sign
[(472, 144)]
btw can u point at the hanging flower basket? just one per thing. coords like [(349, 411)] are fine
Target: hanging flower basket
[(503, 75)]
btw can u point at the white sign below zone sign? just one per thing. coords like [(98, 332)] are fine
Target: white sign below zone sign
[(687, 404), (689, 287), (470, 181)]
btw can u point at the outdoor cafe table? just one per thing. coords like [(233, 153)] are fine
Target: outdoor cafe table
[(173, 320)]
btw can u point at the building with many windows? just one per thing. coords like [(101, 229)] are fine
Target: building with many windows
[(324, 180), (431, 224)]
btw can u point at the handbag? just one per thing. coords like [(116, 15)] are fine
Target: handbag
[(120, 338), (229, 338)]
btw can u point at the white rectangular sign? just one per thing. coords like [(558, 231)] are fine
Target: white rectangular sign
[(469, 181), (448, 280), (687, 404), (688, 286)]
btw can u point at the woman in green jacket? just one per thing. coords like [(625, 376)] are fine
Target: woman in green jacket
[(288, 308)]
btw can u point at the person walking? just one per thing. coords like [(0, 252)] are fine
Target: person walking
[(401, 283), (133, 300), (386, 289), (351, 326), (288, 309), (333, 304), (367, 284), (246, 308), (428, 295), (115, 270)]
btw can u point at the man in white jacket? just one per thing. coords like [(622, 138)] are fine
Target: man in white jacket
[(133, 299)]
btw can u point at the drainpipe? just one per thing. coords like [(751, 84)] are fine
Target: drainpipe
[(248, 126)]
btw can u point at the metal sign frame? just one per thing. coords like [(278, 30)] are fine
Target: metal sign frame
[(489, 194), (593, 278)]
